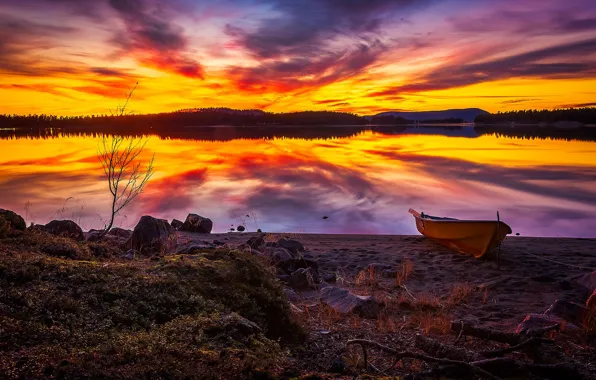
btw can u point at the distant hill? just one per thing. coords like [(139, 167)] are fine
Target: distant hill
[(466, 114)]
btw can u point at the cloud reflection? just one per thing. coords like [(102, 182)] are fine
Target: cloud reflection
[(365, 183)]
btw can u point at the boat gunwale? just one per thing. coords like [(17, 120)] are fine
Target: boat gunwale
[(419, 216)]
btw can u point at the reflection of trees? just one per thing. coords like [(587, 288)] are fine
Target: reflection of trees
[(542, 133), (209, 133), (300, 132), (582, 115)]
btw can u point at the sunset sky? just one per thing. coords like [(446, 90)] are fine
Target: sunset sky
[(365, 56)]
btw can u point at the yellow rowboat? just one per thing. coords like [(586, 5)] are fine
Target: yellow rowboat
[(472, 237)]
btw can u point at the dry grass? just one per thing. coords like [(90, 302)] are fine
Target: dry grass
[(403, 273), (459, 294), (368, 277)]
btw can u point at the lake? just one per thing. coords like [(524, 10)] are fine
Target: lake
[(286, 180)]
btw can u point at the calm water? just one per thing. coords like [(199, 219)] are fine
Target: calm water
[(364, 181)]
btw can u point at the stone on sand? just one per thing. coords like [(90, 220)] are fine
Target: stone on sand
[(197, 223), (293, 246), (587, 281), (539, 321), (65, 228), (177, 224), (567, 310), (280, 255), (153, 236), (345, 302), (303, 278)]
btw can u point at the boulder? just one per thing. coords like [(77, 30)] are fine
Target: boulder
[(197, 223), (303, 278), (15, 220), (176, 224), (290, 266), (345, 302), (280, 255), (153, 236), (120, 232), (65, 228), (567, 310), (241, 228), (329, 277), (256, 242), (293, 246), (93, 235)]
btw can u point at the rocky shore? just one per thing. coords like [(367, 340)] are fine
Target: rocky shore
[(173, 300)]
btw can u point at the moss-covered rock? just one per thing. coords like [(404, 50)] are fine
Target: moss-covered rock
[(15, 220), (217, 314)]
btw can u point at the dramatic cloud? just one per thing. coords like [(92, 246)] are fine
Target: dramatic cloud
[(560, 61), (287, 55), (153, 39)]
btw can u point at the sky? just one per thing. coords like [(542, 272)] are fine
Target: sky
[(78, 57)]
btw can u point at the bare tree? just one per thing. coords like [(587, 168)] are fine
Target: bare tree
[(119, 159), (126, 177)]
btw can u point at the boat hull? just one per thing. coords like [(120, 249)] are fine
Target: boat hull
[(472, 237)]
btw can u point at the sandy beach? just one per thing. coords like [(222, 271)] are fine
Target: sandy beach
[(531, 274)]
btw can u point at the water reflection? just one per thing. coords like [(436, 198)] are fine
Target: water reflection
[(363, 179)]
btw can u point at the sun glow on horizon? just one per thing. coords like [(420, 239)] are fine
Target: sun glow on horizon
[(360, 57)]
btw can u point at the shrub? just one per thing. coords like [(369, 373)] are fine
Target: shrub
[(140, 319)]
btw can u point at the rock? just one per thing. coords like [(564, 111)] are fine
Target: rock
[(197, 223), (271, 244), (303, 278), (193, 248), (345, 302), (293, 246), (256, 242), (280, 255), (329, 277), (93, 235), (290, 266), (153, 236), (65, 228), (539, 321), (15, 220), (120, 232), (176, 224), (567, 310), (241, 228), (591, 302), (587, 281), (218, 243), (235, 326)]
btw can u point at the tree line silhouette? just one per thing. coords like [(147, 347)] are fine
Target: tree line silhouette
[(586, 115), (183, 119)]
